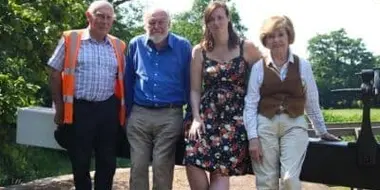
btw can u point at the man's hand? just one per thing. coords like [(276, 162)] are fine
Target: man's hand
[(330, 137), (58, 117), (56, 91), (255, 149)]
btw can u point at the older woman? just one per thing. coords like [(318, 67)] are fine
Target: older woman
[(217, 141), (281, 87)]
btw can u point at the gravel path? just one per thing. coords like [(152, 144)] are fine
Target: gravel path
[(122, 177)]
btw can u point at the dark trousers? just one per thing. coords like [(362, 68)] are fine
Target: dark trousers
[(95, 126)]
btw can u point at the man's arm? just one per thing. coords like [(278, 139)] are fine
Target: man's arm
[(55, 79), (129, 78), (187, 53)]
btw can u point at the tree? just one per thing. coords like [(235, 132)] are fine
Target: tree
[(29, 33), (190, 23), (336, 58), (377, 61), (129, 21)]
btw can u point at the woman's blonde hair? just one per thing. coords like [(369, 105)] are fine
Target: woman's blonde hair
[(274, 23)]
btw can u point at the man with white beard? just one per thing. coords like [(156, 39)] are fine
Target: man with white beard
[(157, 79)]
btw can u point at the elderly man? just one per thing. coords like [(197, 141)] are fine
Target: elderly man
[(157, 74), (86, 76)]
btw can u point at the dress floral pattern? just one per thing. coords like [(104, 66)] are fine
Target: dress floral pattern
[(224, 146)]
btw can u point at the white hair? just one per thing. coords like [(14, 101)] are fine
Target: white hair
[(95, 5), (153, 10)]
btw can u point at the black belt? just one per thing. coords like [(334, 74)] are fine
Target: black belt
[(160, 106), (83, 101)]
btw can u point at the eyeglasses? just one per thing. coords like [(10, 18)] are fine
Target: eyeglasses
[(152, 23), (103, 16)]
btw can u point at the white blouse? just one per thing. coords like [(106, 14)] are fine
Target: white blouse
[(252, 98)]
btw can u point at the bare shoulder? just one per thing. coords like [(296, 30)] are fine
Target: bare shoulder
[(249, 44), (251, 52), (197, 48), (197, 52)]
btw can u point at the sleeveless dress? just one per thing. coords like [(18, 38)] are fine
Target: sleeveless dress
[(223, 148)]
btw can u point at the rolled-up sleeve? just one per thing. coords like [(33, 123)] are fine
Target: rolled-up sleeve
[(56, 60), (252, 99)]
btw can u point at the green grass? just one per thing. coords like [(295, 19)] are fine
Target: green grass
[(30, 163), (348, 115)]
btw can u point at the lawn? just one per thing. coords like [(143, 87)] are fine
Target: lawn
[(348, 115)]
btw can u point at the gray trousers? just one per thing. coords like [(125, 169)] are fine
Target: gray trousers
[(153, 133)]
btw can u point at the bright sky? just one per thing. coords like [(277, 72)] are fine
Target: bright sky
[(358, 17)]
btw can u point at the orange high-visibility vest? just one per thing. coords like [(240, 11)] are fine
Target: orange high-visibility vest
[(72, 44)]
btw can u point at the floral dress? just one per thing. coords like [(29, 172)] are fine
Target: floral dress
[(224, 146)]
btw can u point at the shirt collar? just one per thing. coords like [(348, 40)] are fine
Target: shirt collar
[(86, 36), (269, 59)]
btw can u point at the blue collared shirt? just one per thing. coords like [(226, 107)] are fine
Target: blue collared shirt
[(157, 77)]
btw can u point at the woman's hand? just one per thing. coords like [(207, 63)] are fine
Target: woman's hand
[(197, 128), (255, 149)]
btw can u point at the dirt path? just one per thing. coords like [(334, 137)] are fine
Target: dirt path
[(122, 177)]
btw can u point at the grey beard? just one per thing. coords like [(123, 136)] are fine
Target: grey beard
[(157, 38)]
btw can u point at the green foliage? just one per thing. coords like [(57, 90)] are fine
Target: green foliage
[(20, 91), (29, 32), (377, 61), (189, 24), (188, 29), (128, 22), (348, 115), (336, 58)]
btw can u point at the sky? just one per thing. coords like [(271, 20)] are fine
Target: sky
[(357, 17)]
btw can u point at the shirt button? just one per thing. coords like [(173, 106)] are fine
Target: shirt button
[(155, 84), (156, 64), (155, 74), (154, 96)]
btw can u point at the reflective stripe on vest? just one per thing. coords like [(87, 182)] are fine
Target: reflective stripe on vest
[(119, 47), (72, 45)]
